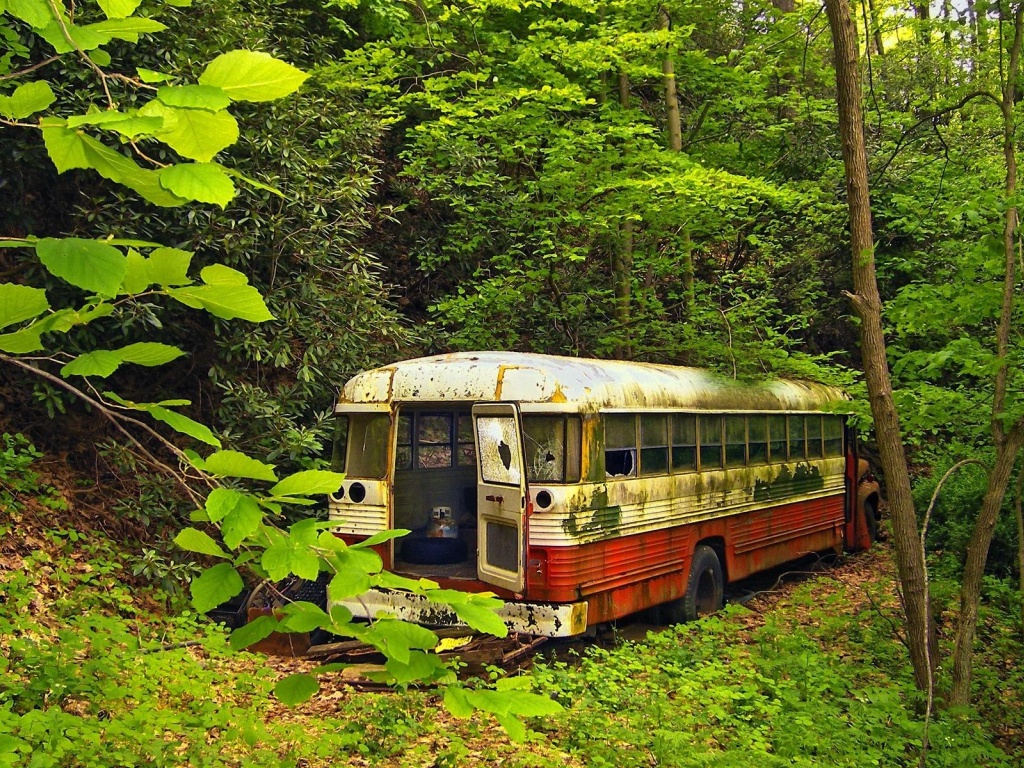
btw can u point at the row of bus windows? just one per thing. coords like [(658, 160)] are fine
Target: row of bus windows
[(656, 444)]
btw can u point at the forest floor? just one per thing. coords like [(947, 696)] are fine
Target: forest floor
[(97, 670)]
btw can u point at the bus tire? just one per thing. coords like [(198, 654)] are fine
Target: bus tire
[(871, 522), (705, 589)]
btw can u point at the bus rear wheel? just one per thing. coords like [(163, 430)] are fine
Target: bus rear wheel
[(705, 589)]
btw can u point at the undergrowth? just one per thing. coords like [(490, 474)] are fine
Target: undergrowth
[(95, 673)]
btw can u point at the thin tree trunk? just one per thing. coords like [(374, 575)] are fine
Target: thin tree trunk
[(668, 68), (876, 29), (622, 264), (868, 305), (1007, 445)]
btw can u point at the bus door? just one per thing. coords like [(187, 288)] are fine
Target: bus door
[(501, 495)]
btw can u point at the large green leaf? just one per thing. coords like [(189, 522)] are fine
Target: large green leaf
[(21, 342), (26, 100), (195, 540), (253, 632), (65, 147), (119, 9), (129, 124), (241, 521), (481, 619), (304, 617), (169, 266), (20, 302), (296, 688), (136, 276), (236, 464), (126, 29), (205, 182), (149, 353), (218, 274), (252, 76), (35, 13), (87, 264), (214, 586), (310, 482), (225, 301), (111, 164), (85, 38), (99, 362), (197, 134), (183, 424), (152, 76), (194, 97)]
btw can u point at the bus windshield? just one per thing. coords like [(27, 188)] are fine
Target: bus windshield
[(361, 444)]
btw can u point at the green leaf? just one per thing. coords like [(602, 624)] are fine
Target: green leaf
[(87, 264), (100, 362), (21, 342), (100, 57), (205, 182), (169, 266), (20, 302), (66, 148), (289, 557), (197, 134), (195, 540), (259, 628), (150, 353), (119, 9), (214, 586), (126, 29), (181, 423), (456, 703), (225, 301), (310, 482), (304, 617), (295, 689), (513, 727), (218, 274), (35, 13), (111, 164), (221, 501), (128, 124), (85, 38), (241, 521), (254, 183), (26, 100), (380, 537), (348, 582), (152, 76), (136, 277), (481, 619), (194, 97), (235, 464), (252, 76)]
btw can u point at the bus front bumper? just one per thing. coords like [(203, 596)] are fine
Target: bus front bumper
[(542, 619)]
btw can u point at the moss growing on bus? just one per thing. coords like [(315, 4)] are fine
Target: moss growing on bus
[(605, 519), (806, 478)]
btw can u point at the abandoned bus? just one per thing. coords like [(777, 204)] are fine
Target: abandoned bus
[(581, 491)]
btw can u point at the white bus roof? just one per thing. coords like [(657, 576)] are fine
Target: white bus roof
[(551, 383)]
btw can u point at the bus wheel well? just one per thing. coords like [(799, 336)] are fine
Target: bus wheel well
[(717, 543)]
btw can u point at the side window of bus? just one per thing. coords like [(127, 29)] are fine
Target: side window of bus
[(434, 441), (466, 447), (757, 431), (553, 448), (403, 449), (620, 445), (777, 445), (710, 442), (340, 444), (653, 444), (833, 429), (797, 440), (735, 441), (814, 450), (684, 443)]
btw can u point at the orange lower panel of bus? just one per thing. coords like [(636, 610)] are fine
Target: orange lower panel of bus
[(621, 576)]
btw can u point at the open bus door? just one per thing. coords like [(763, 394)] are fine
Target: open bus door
[(501, 495)]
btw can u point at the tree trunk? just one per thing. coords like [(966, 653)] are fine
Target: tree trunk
[(876, 29), (668, 68), (1007, 444), (868, 305), (622, 264)]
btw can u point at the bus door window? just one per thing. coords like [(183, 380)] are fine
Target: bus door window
[(684, 443), (620, 445), (735, 441), (814, 450), (833, 430), (434, 441), (797, 439), (368, 435), (757, 431), (500, 461), (777, 448), (653, 444), (710, 443)]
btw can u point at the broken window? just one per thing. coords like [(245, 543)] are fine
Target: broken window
[(620, 445), (552, 448), (500, 459)]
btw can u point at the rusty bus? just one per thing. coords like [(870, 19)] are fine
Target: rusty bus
[(581, 491)]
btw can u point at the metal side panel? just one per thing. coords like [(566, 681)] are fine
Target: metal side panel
[(543, 619)]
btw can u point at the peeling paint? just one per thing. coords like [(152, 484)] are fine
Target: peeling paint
[(806, 478)]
